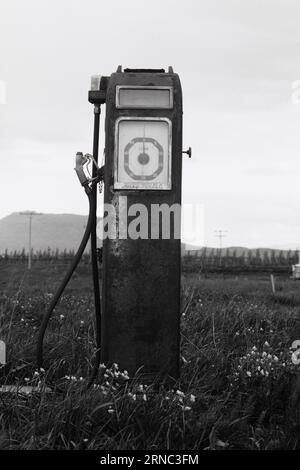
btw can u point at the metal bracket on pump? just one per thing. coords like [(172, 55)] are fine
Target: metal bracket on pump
[(97, 93), (96, 96)]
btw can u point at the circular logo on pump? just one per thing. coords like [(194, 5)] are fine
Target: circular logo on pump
[(143, 158)]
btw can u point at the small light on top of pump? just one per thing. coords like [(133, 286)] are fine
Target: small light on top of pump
[(95, 82)]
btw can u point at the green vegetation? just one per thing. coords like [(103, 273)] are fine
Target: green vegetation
[(239, 388)]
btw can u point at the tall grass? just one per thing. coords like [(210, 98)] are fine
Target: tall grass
[(231, 330)]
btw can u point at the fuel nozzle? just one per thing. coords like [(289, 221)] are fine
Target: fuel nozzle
[(80, 161)]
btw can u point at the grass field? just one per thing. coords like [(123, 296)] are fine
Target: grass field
[(239, 387)]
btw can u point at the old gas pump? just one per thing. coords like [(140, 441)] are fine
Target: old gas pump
[(141, 274), (140, 301)]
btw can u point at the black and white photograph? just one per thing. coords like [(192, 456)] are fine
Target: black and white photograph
[(149, 229)]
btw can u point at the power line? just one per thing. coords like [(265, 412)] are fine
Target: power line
[(30, 214), (220, 234)]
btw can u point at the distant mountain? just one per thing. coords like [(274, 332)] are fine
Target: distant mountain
[(288, 246), (62, 231)]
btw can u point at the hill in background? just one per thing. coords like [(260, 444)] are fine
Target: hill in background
[(57, 231)]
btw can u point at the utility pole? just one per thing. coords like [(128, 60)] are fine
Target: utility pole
[(30, 214), (220, 234)]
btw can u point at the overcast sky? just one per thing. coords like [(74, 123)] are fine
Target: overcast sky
[(237, 61)]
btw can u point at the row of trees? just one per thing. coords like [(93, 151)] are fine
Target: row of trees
[(42, 255), (228, 258), (204, 257)]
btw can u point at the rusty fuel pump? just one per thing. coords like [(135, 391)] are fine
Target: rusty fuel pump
[(138, 316)]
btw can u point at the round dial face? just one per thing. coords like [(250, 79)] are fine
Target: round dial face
[(143, 154)]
